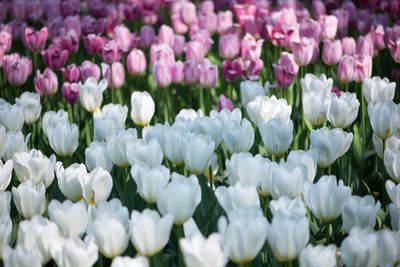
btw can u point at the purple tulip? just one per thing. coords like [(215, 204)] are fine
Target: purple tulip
[(365, 46), (229, 46), (208, 74), (35, 40), (93, 44), (73, 23), (311, 29), (332, 52), (336, 91), (343, 21), (115, 75), (253, 69), (136, 62), (377, 35), (224, 102), (71, 73), (329, 26), (194, 50), (232, 69), (188, 13), (250, 47), (89, 69), (90, 25), (54, 26), (318, 8), (363, 67), (225, 21), (111, 52), (162, 73), (5, 39), (55, 57), (70, 7), (70, 92), (147, 36), (303, 50), (19, 9), (202, 36), (348, 46), (177, 72), (207, 6), (123, 37), (351, 9), (16, 69), (68, 41), (46, 83), (394, 48), (51, 8), (208, 21), (346, 69), (35, 10), (191, 71), (286, 70), (161, 52)]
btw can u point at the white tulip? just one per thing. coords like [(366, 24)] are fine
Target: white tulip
[(287, 180), (30, 103), (130, 262), (150, 181), (2, 140), (15, 142), (318, 256), (96, 186), (180, 197), (150, 232), (312, 83), (64, 139), (51, 119), (388, 248), (198, 150), (238, 137), (360, 212), (378, 144), (35, 166), (149, 153), (244, 236), (109, 121), (69, 180), (246, 168), (391, 159), (327, 197), (6, 227), (5, 174), (343, 109), (97, 155), (225, 115), (376, 89), (264, 108), (249, 90), (29, 198), (203, 252), (330, 144), (117, 146), (384, 118), (188, 115), (237, 196), (91, 94), (143, 108), (393, 191), (277, 135), (71, 218), (110, 228), (359, 248), (286, 206), (5, 202), (307, 160), (209, 126), (264, 187), (75, 252), (394, 216), (21, 256), (173, 149), (12, 116)]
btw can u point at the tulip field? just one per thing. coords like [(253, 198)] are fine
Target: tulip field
[(204, 133)]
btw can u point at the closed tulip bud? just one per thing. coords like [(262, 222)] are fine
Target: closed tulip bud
[(5, 39), (29, 198), (198, 150), (277, 135), (359, 248), (303, 51), (51, 119), (143, 108), (47, 83), (360, 212), (149, 231), (391, 159), (318, 8), (249, 90), (393, 191), (71, 218), (376, 89), (348, 46), (208, 74), (5, 204), (172, 137), (177, 73), (191, 71), (343, 110), (343, 21), (138, 261), (69, 180), (365, 46), (147, 36), (388, 247), (111, 52), (16, 69), (305, 159), (245, 169), (195, 50), (32, 108), (236, 197), (179, 44), (161, 52), (238, 137), (346, 70), (64, 139), (12, 116), (286, 70), (117, 146), (71, 73), (5, 174), (35, 40), (330, 144), (97, 155), (363, 67), (162, 73), (96, 187), (123, 37), (149, 153), (320, 197), (286, 180), (136, 62), (55, 57), (229, 45), (394, 48), (224, 103), (70, 92), (250, 49), (15, 142), (200, 251), (244, 236), (286, 206), (89, 69), (93, 44), (75, 252), (225, 21), (110, 226), (114, 74), (166, 35), (332, 52), (329, 26), (183, 190), (384, 118), (263, 109), (6, 227), (35, 166), (188, 13), (314, 256), (91, 94)]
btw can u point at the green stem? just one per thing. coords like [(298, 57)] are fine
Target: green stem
[(363, 114), (201, 99), (179, 235)]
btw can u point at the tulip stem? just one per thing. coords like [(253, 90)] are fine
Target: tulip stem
[(290, 263), (363, 114)]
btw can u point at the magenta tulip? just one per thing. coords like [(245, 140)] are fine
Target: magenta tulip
[(224, 103), (55, 57), (16, 69), (35, 40), (286, 70), (47, 83), (93, 44), (70, 92), (111, 52)]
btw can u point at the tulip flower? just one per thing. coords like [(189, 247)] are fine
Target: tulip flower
[(29, 198), (303, 51), (5, 204), (183, 190), (123, 37), (244, 168), (286, 70), (388, 245), (162, 73), (70, 92), (348, 46), (177, 73), (232, 69), (346, 69), (22, 255), (96, 186), (111, 52), (238, 137), (384, 118), (93, 44), (71, 73), (91, 94), (313, 256), (143, 108), (138, 261), (286, 180), (360, 212), (208, 74), (209, 126), (363, 67), (89, 69), (69, 180), (359, 248), (5, 174), (5, 39), (136, 62), (6, 226), (198, 150), (46, 83), (332, 52), (75, 252), (376, 89), (149, 231), (229, 46), (64, 139), (365, 46), (393, 191), (71, 218), (114, 74), (51, 119), (117, 146), (277, 135), (250, 49), (149, 153), (320, 197), (12, 116), (16, 69), (224, 103), (343, 110), (329, 26), (249, 90), (15, 142), (31, 106), (236, 197), (305, 159), (55, 57), (191, 71), (394, 48), (263, 109), (97, 155), (35, 40)]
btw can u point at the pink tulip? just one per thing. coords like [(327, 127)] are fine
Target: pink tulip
[(177, 24), (115, 75), (363, 67), (89, 69), (46, 83), (35, 40), (303, 51), (394, 48), (70, 92), (377, 34), (71, 73), (191, 71), (208, 74), (346, 69), (365, 46), (136, 62), (207, 6), (123, 37), (286, 70), (343, 21), (111, 52), (348, 46), (16, 69), (225, 21), (194, 50), (329, 26), (311, 29), (208, 21), (179, 44), (70, 7), (253, 69), (224, 103), (162, 74), (332, 52), (188, 13), (73, 23), (5, 39), (55, 57), (202, 36), (233, 69), (229, 46), (93, 44), (166, 35), (250, 48), (177, 72), (161, 52)]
